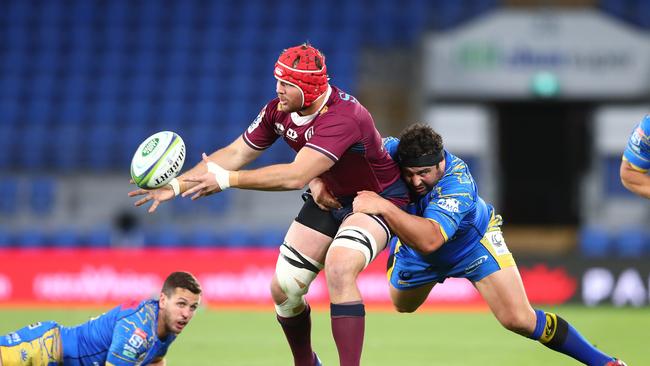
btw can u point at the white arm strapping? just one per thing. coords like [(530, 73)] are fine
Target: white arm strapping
[(221, 175), (176, 186)]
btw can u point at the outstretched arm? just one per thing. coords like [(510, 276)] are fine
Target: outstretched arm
[(233, 156), (421, 234), (634, 180), (307, 165)]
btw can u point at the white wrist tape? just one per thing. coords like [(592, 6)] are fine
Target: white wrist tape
[(222, 175), (176, 186)]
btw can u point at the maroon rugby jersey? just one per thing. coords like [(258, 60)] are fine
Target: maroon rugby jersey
[(344, 131)]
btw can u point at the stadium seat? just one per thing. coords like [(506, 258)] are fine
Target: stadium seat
[(42, 195), (36, 137), (65, 146), (5, 238), (164, 237), (8, 196), (65, 238), (99, 237), (30, 238), (594, 242), (8, 135), (202, 238), (270, 238), (238, 238), (631, 243)]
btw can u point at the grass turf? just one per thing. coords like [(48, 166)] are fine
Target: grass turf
[(251, 338)]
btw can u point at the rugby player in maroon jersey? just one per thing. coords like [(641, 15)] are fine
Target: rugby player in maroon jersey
[(338, 147)]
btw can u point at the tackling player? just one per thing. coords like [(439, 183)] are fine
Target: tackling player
[(636, 160), (337, 145), (130, 334), (449, 231)]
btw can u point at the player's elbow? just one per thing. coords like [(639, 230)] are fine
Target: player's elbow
[(426, 247), (295, 183)]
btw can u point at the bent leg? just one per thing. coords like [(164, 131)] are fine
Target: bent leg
[(37, 344), (409, 300), (300, 260), (357, 243), (504, 292)]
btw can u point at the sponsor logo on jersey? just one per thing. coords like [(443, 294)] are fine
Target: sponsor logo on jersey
[(257, 121), (449, 204), (23, 354), (498, 243), (13, 338), (278, 128), (476, 263), (292, 134), (136, 339), (309, 133), (34, 326)]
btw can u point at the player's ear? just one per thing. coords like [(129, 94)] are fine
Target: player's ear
[(162, 300)]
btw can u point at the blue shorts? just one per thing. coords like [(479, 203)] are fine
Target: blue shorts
[(36, 345), (407, 271)]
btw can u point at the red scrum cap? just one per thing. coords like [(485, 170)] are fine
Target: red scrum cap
[(303, 67)]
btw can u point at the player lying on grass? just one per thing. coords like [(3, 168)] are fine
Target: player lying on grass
[(129, 334), (449, 231), (636, 160)]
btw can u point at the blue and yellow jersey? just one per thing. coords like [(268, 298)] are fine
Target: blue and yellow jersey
[(126, 335), (637, 152), (455, 205)]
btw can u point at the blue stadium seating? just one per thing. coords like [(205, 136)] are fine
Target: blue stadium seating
[(82, 82), (8, 196), (164, 237), (6, 240), (30, 238), (65, 238), (631, 243), (594, 242), (42, 195), (202, 238), (99, 237)]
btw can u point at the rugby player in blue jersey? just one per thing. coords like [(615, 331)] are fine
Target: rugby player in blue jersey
[(636, 160), (137, 333), (449, 231)]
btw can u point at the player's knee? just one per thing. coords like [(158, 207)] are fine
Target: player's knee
[(276, 291), (405, 308), (340, 269), (518, 322), (294, 272)]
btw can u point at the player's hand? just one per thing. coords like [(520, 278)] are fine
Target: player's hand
[(323, 198), (369, 202), (206, 182), (157, 195)]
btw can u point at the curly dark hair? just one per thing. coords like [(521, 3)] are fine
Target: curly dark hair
[(418, 140), (184, 280)]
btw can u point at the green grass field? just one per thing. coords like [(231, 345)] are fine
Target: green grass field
[(224, 337)]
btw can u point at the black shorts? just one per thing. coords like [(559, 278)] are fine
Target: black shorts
[(328, 222)]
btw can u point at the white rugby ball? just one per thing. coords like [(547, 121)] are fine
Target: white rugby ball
[(158, 160)]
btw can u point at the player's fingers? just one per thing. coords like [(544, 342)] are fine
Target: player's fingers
[(143, 200), (137, 192), (199, 194), (205, 158), (154, 206), (193, 189)]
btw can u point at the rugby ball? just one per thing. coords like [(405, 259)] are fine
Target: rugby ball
[(158, 160)]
